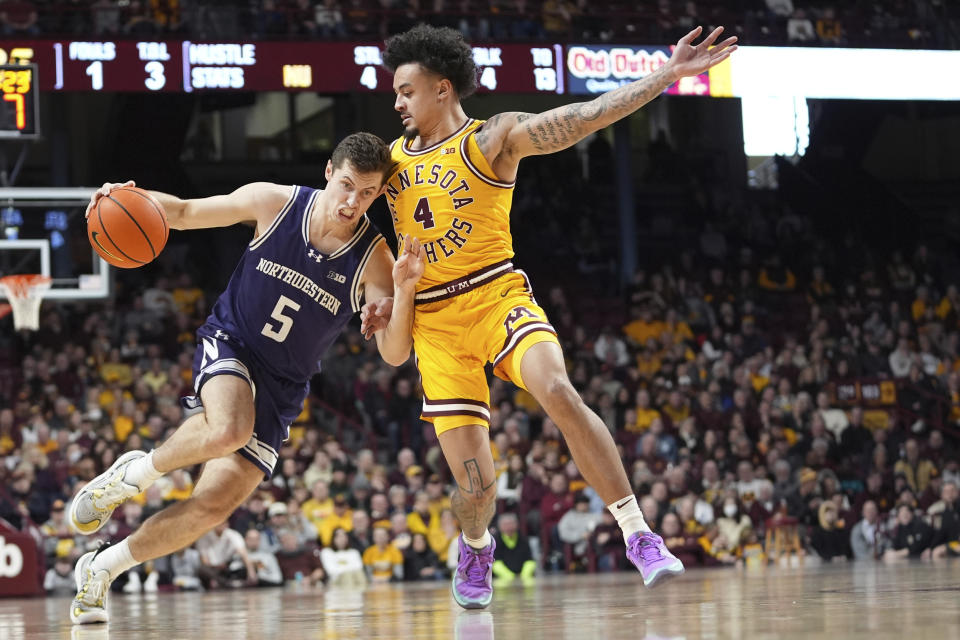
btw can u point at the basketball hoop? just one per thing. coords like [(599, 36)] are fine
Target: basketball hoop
[(24, 293)]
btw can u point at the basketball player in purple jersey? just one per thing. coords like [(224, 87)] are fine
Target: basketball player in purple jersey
[(463, 222), (313, 258)]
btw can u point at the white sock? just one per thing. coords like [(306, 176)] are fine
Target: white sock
[(141, 472), (627, 512), (480, 543), (114, 560)]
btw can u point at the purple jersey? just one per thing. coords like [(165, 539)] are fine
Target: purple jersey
[(286, 301)]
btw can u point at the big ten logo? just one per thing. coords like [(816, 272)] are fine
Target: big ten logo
[(17, 55), (11, 559), (516, 315)]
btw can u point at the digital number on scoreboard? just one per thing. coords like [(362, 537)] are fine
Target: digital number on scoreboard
[(19, 115)]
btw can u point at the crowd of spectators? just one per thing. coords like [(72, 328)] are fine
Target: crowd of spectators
[(880, 23), (723, 372)]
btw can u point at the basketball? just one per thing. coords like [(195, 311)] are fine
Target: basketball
[(128, 228)]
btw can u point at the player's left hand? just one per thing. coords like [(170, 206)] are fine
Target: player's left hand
[(689, 59), (375, 316), (410, 265)]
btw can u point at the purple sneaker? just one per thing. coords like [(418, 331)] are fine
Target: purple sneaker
[(648, 554), (473, 580)]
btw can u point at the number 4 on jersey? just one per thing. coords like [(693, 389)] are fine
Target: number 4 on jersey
[(423, 214)]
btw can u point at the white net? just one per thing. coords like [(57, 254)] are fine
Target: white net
[(25, 293)]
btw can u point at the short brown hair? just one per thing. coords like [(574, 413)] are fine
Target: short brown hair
[(366, 152)]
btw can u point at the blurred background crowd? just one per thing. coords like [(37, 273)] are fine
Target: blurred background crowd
[(856, 23), (765, 381)]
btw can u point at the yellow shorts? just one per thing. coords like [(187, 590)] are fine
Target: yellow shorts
[(454, 338)]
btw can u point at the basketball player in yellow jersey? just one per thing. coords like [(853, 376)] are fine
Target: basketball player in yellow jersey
[(452, 188)]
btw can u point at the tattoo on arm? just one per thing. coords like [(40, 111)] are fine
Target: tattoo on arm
[(487, 135), (483, 133), (565, 126)]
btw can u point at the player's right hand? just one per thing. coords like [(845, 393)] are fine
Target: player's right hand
[(105, 191), (375, 316)]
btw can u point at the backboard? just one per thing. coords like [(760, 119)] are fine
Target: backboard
[(43, 230)]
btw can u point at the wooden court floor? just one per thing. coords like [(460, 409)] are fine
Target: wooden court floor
[(910, 601)]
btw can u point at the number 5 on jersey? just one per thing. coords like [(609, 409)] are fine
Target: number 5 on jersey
[(423, 214), (286, 322)]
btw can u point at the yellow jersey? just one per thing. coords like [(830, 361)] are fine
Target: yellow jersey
[(446, 196)]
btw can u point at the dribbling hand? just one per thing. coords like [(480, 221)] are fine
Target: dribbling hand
[(103, 192)]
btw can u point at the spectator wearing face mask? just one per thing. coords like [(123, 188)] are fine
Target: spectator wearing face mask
[(732, 521)]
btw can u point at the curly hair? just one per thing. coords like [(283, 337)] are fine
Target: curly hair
[(441, 50)]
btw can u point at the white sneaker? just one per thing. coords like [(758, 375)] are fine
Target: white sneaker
[(133, 583), (90, 603), (92, 507), (150, 584)]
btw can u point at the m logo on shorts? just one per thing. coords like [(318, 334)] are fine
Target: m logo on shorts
[(516, 315)]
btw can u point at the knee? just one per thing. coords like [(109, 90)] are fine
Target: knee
[(559, 394), (230, 431), (211, 511)]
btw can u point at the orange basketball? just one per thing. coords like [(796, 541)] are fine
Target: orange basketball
[(128, 228)]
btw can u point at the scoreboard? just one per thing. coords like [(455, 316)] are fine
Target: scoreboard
[(322, 67), (18, 110), (29, 66)]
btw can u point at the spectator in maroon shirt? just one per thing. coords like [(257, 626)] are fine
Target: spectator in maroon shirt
[(608, 544), (749, 414), (295, 558), (676, 483), (648, 450), (937, 449), (532, 492), (555, 504), (757, 512), (683, 546), (876, 492), (708, 413), (405, 459)]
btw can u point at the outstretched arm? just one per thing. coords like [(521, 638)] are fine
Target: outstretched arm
[(257, 202), (384, 278), (506, 138)]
